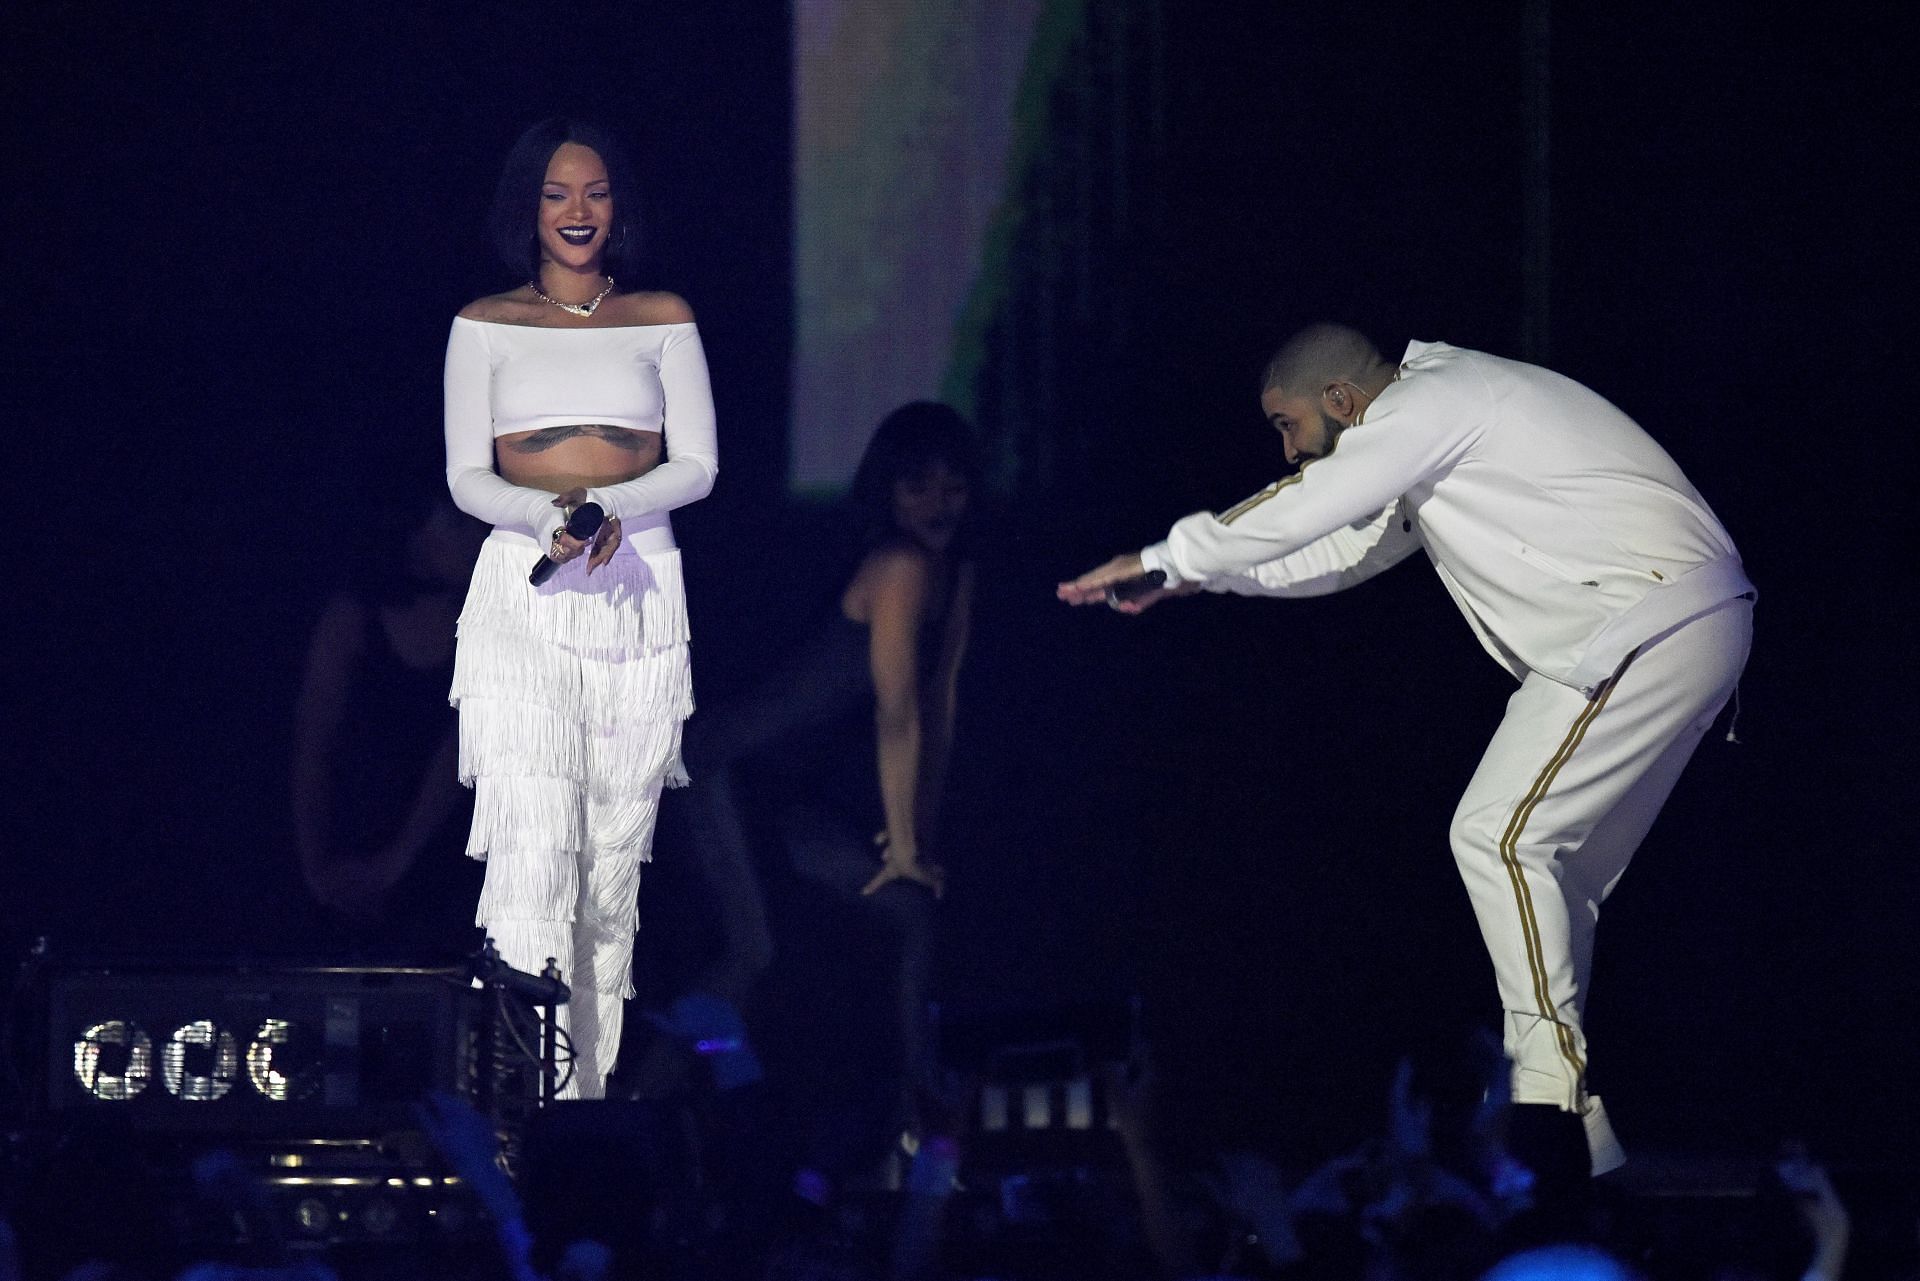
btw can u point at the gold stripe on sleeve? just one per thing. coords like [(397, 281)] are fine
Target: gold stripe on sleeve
[(1240, 509)]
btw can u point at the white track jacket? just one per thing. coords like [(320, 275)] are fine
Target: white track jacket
[(1565, 534)]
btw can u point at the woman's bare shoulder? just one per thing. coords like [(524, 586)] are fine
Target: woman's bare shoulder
[(508, 308), (897, 563), (653, 307)]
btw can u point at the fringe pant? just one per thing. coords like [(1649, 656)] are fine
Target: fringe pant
[(571, 699)]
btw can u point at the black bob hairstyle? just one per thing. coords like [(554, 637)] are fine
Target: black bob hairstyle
[(513, 224), (908, 442)]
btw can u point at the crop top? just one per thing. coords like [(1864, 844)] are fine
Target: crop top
[(510, 378)]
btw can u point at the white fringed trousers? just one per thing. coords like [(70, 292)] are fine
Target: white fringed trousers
[(571, 699)]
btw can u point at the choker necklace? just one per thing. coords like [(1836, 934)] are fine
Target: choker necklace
[(586, 308)]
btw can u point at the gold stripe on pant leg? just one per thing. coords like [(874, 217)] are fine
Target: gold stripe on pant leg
[(1523, 899), (1523, 896)]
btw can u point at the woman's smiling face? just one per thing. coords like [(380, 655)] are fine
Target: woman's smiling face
[(576, 208)]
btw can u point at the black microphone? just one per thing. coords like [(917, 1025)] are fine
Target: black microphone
[(1134, 588), (583, 524)]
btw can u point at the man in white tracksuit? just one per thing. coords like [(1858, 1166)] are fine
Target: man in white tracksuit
[(1588, 566)]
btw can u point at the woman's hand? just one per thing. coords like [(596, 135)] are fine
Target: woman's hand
[(605, 543), (931, 875), (908, 867), (600, 548), (563, 547)]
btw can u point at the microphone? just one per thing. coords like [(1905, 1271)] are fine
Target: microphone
[(1134, 588), (583, 524), (538, 989)]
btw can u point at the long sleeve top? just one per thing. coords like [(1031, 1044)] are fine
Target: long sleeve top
[(503, 378), (1564, 533)]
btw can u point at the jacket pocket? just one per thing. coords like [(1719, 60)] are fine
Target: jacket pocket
[(1548, 565)]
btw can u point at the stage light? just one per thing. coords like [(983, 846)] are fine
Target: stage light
[(281, 1064), (1079, 1100), (312, 1215), (203, 1046), (380, 1216), (993, 1107), (309, 1075), (302, 1052), (113, 1060)]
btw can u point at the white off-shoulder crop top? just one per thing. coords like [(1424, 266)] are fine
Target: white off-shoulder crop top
[(510, 378)]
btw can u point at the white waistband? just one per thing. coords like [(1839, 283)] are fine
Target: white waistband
[(1658, 612)]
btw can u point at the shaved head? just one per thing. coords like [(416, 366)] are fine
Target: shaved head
[(1320, 355)]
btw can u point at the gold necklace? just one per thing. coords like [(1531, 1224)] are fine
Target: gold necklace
[(586, 308)]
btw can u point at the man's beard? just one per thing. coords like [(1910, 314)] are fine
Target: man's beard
[(1330, 429)]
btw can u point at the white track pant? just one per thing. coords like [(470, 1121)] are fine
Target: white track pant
[(571, 698), (1565, 793)]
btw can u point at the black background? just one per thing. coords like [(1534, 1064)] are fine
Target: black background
[(235, 234)]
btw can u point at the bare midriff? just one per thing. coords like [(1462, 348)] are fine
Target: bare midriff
[(582, 456)]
